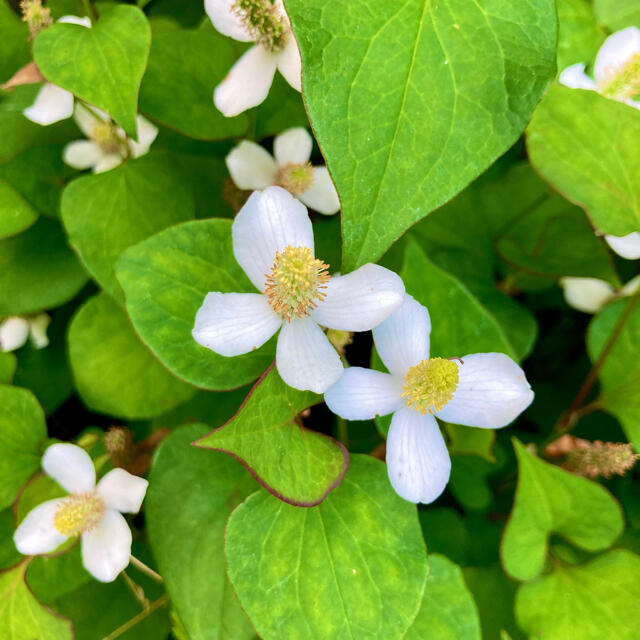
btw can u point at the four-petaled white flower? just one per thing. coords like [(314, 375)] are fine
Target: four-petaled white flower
[(626, 246), (486, 390), (15, 330), (589, 295), (54, 103), (92, 511), (108, 145), (266, 23), (273, 243), (252, 167)]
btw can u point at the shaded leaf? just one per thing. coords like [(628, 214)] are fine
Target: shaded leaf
[(16, 214), (617, 14)]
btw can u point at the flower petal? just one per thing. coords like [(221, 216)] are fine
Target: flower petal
[(632, 287), (418, 462), (226, 20), (586, 294), (87, 119), (70, 466), (248, 82), (38, 330), (616, 52), (322, 195), (290, 64), (626, 246), (108, 162), (82, 21), (122, 491), (269, 221), (292, 146), (147, 133), (251, 166), (305, 358), (574, 77), (52, 104), (37, 533), (360, 300), (235, 323), (362, 394), (107, 548), (402, 340), (492, 392), (82, 154), (14, 332)]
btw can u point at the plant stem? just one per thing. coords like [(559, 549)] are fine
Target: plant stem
[(156, 604), (141, 566), (343, 431)]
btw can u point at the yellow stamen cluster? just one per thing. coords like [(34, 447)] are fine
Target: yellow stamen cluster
[(295, 178), (105, 135), (622, 83), (430, 385), (263, 21), (79, 513), (296, 282), (340, 339), (36, 16)]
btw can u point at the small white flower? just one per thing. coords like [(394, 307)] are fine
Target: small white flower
[(273, 243), (266, 23), (92, 512), (591, 294), (616, 69), (625, 246), (252, 167), (108, 145), (15, 330), (486, 390)]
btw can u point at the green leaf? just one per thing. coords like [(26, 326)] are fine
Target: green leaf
[(448, 611), (295, 464), (22, 616), (551, 500), (586, 147), (165, 279), (22, 430), (590, 602), (113, 370), (104, 214), (472, 440), (107, 61), (459, 84), (579, 36), (16, 214), (177, 88), (9, 555), (617, 14), (352, 567), (444, 532), (14, 49), (191, 495), (8, 364), (468, 482)]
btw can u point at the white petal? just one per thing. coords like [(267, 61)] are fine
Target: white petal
[(292, 146), (82, 154), (38, 329), (108, 162), (492, 392), (14, 332), (586, 294), (305, 358), (226, 20), (122, 491), (87, 119), (418, 462), (83, 22), (361, 394), (574, 77), (626, 246), (147, 133), (248, 82), (402, 340), (289, 63), (269, 221), (107, 548), (632, 287), (70, 466), (235, 323), (251, 166), (37, 533), (616, 52), (360, 300), (322, 195), (52, 104)]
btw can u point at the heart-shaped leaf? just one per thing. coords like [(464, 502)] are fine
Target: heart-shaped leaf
[(16, 214)]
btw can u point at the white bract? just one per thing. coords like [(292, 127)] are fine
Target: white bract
[(92, 511), (273, 243), (53, 103), (15, 330), (591, 294), (252, 167), (108, 145), (486, 390), (625, 246), (264, 22)]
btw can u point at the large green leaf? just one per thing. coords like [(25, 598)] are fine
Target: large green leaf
[(102, 65), (551, 500), (16, 214), (105, 214), (297, 465), (579, 35), (586, 147), (410, 101), (352, 567), (191, 495), (165, 279), (617, 14), (113, 370)]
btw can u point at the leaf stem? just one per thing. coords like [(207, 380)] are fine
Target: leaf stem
[(343, 431), (141, 566), (156, 604)]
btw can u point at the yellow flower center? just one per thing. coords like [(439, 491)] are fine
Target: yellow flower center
[(622, 83), (295, 178), (79, 513), (105, 135), (430, 385), (263, 21), (296, 282), (36, 16)]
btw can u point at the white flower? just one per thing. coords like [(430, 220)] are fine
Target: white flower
[(15, 330), (108, 145), (252, 167), (264, 22), (625, 246), (616, 69), (485, 390), (93, 512), (591, 294), (53, 103), (273, 243)]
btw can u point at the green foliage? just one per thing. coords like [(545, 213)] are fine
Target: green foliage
[(15, 214), (617, 14), (579, 35)]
